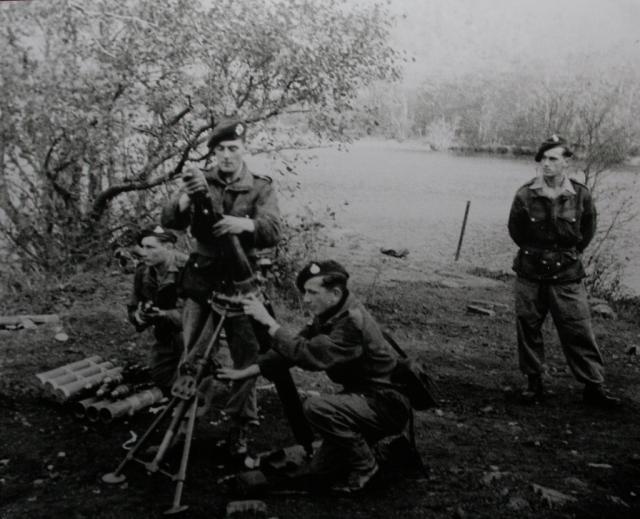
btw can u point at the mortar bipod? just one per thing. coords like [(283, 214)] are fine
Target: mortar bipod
[(183, 404)]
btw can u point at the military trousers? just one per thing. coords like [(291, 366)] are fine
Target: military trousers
[(568, 305), (198, 324), (164, 359), (349, 424)]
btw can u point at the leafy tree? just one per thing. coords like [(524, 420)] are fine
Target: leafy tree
[(105, 102)]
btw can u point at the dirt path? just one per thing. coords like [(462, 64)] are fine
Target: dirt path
[(487, 454)]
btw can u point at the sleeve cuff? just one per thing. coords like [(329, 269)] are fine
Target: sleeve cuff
[(273, 329), (283, 336)]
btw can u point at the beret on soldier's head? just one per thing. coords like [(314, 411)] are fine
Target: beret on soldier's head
[(328, 268), (553, 142), (227, 130), (162, 235)]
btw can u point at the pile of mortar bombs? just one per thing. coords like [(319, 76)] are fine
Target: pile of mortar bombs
[(98, 390)]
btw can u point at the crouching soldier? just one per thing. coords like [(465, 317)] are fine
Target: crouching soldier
[(552, 220), (154, 302), (345, 341)]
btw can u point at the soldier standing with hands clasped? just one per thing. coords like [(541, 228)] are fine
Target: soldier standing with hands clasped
[(552, 220)]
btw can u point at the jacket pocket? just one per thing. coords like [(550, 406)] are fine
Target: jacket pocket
[(569, 223), (537, 212)]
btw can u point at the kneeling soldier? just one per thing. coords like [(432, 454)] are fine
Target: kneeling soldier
[(154, 302), (552, 220), (345, 341)]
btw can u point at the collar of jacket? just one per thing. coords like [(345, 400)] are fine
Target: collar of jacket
[(542, 188), (176, 261), (334, 313), (242, 183)]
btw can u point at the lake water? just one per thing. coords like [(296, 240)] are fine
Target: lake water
[(387, 195)]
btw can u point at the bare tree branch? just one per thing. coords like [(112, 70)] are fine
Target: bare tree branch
[(102, 200)]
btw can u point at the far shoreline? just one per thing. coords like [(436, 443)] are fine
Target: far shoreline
[(507, 151)]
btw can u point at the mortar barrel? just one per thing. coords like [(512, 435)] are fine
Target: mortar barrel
[(56, 372), (79, 377), (79, 386), (78, 374), (93, 410), (79, 408), (130, 404)]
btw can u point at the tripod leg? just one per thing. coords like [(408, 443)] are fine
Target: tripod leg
[(152, 466), (181, 409), (189, 356), (117, 476), (182, 471)]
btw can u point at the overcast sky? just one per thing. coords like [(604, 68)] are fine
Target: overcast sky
[(459, 36)]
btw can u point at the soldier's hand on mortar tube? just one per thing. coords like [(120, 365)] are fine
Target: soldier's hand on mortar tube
[(233, 225), (194, 181), (253, 307)]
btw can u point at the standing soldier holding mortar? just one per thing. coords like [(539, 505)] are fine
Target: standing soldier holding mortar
[(552, 220), (249, 209)]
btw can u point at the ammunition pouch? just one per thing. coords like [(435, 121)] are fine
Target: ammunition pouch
[(414, 381)]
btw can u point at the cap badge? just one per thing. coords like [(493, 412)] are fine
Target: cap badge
[(554, 138), (314, 269), (239, 129), (158, 230)]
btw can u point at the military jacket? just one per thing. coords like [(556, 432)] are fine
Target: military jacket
[(552, 232), (160, 292), (250, 195), (348, 345)]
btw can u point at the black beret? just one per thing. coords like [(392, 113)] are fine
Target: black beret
[(553, 142), (227, 130), (321, 268), (158, 232)]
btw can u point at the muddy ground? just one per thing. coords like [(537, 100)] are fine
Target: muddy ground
[(486, 453)]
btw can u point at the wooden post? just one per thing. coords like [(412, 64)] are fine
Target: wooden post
[(464, 226)]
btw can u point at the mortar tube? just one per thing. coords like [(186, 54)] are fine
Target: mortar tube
[(80, 408), (93, 410), (78, 375), (56, 372), (130, 405), (78, 387)]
